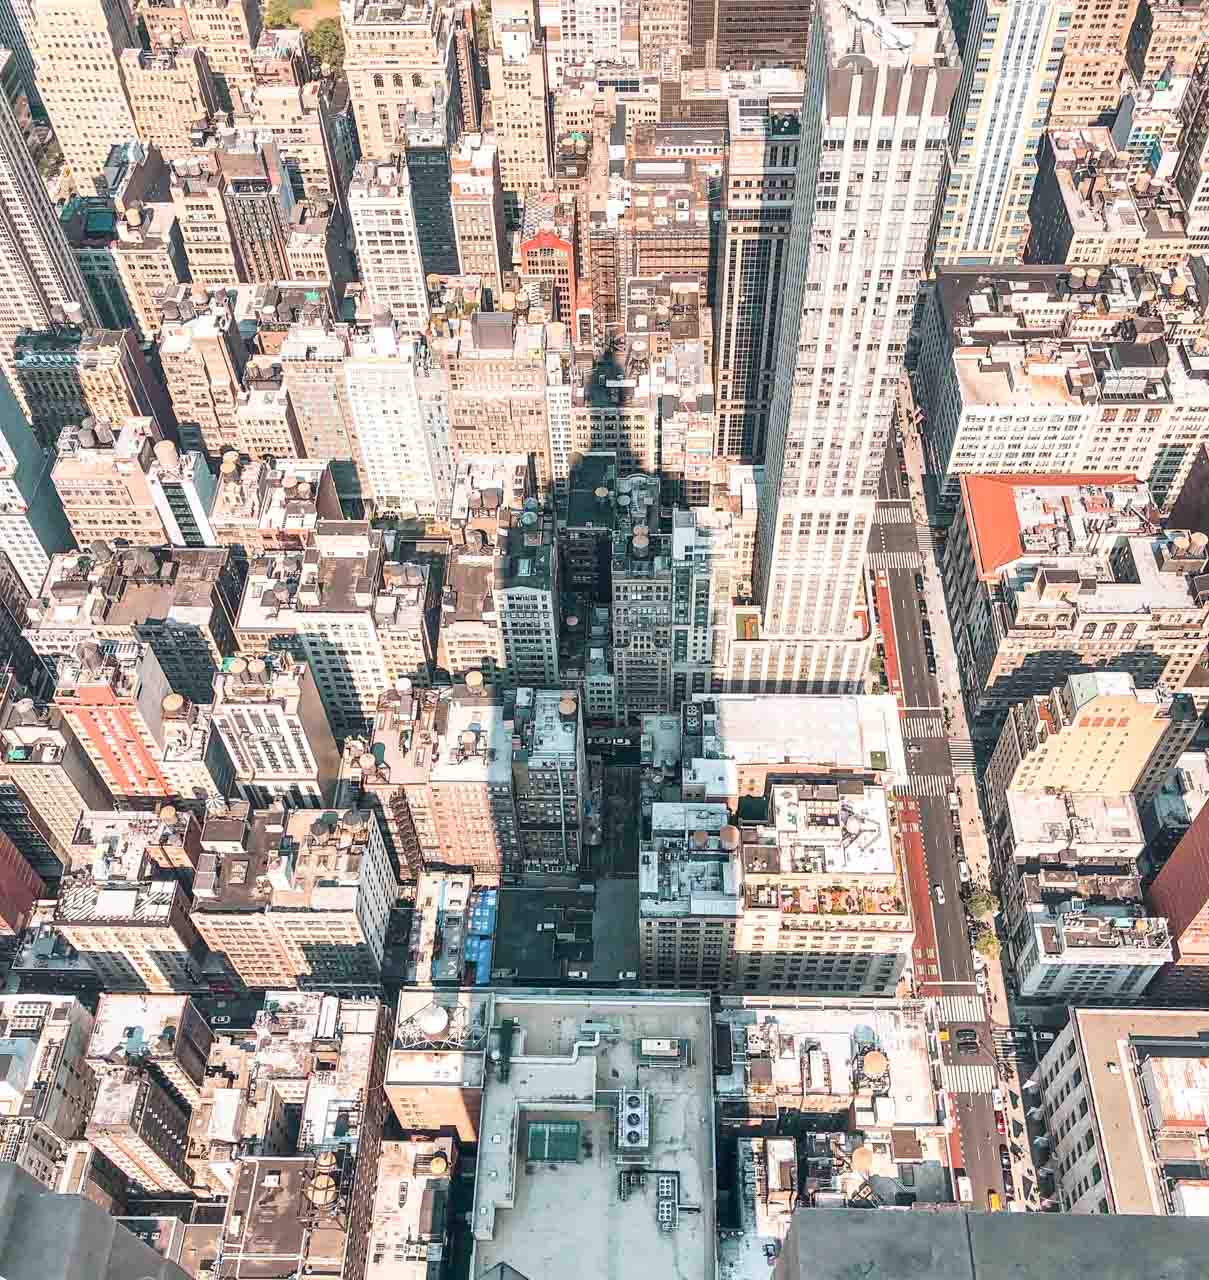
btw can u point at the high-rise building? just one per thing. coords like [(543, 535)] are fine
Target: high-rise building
[(520, 109), (100, 474), (1095, 732), (126, 919), (171, 95), (203, 355), (429, 143), (312, 370), (20, 889), (143, 1129), (1000, 115), (755, 907), (526, 592), (181, 601), (48, 1089), (295, 898), (228, 30), (1080, 557), (68, 373), (77, 47), (397, 57), (1120, 1094), (259, 201), (45, 767), (146, 742), (398, 414), (546, 249), (590, 32), (32, 524), (857, 249), (38, 274), (388, 247), (745, 34), (1180, 893), (495, 364), (477, 200), (360, 619), (201, 215), (271, 717), (761, 171)]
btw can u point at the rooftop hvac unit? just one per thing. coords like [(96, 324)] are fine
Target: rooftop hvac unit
[(633, 1120)]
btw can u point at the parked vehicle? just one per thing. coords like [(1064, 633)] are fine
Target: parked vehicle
[(923, 607), (1005, 1158), (963, 870), (919, 582), (980, 982)]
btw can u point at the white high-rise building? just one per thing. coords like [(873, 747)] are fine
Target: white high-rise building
[(590, 31), (388, 247), (1015, 51), (875, 118), (398, 404), (37, 268)]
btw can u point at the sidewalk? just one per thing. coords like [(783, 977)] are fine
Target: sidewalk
[(947, 676)]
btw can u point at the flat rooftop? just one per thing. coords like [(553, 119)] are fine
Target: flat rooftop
[(1014, 514), (550, 1138), (1109, 1039), (859, 731), (843, 1032), (838, 1244), (1063, 821)]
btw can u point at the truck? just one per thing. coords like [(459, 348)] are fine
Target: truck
[(965, 1192)]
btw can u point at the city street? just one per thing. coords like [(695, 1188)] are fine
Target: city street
[(943, 965)]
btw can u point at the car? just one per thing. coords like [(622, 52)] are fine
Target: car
[(998, 1101), (925, 626), (980, 961), (963, 870), (992, 1202), (923, 607), (939, 891), (1005, 1158), (980, 982), (1001, 1123), (966, 1033), (919, 582), (959, 845), (931, 664), (966, 1047)]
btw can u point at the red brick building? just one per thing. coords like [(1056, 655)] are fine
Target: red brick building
[(20, 888), (1181, 893)]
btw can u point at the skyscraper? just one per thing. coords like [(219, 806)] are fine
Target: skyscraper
[(37, 269), (1003, 105), (875, 117)]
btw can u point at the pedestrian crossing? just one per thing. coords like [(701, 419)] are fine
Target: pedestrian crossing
[(894, 560), (929, 540), (893, 514), (968, 1077), (971, 1008), (923, 727), (961, 752), (1010, 1046), (927, 784)]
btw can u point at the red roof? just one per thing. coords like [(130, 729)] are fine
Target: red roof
[(990, 505)]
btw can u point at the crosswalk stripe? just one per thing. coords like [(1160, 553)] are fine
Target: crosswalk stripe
[(968, 1077), (961, 752), (893, 515), (927, 784), (924, 726), (969, 1008), (894, 560)]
